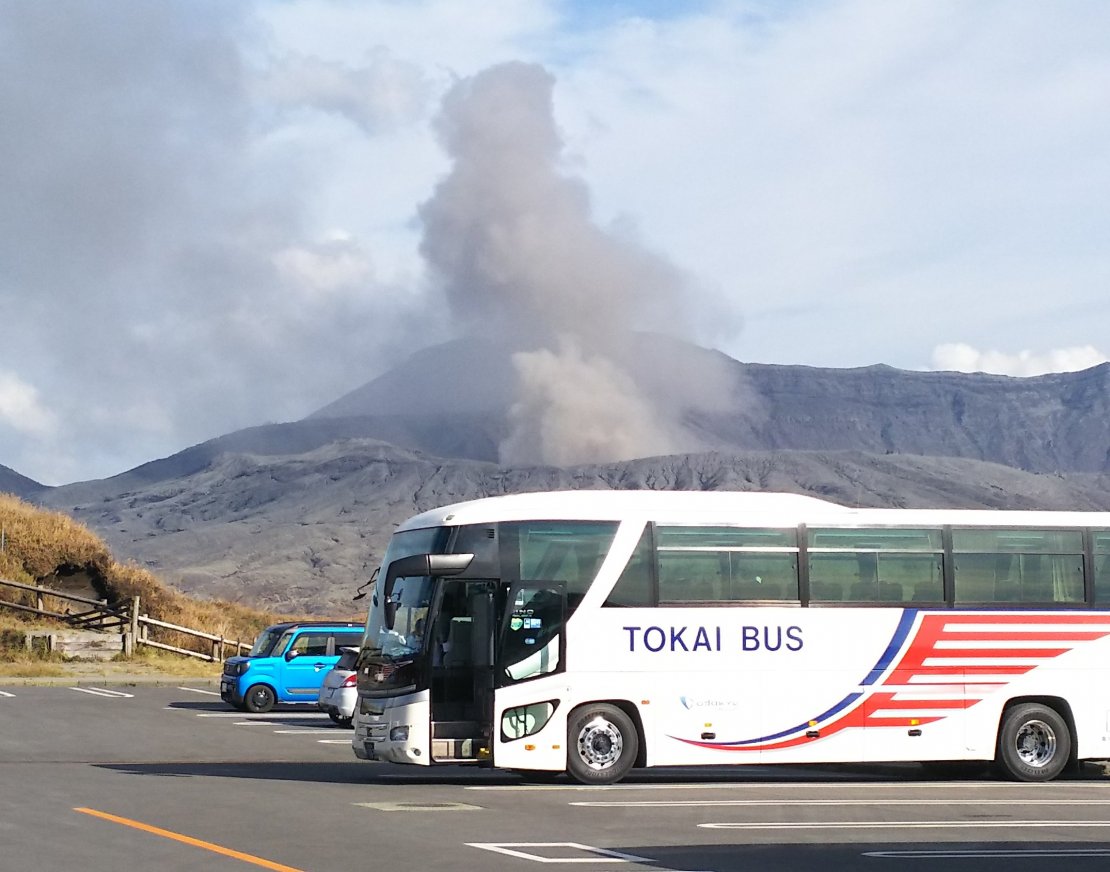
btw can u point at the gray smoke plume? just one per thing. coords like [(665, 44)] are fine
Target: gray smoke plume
[(513, 242)]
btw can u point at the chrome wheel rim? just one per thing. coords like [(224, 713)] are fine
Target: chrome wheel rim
[(600, 743), (1035, 744)]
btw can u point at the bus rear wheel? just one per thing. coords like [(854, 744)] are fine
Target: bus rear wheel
[(602, 744), (1034, 743)]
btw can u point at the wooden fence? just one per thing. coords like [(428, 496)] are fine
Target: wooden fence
[(124, 617)]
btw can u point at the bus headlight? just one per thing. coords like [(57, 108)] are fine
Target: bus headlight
[(399, 734)]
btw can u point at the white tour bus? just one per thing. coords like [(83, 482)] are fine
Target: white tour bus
[(594, 631)]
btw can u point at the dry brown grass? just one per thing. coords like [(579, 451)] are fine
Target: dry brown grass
[(40, 546), (28, 667), (37, 542)]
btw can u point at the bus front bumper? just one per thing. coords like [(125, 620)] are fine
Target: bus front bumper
[(373, 741), (364, 750)]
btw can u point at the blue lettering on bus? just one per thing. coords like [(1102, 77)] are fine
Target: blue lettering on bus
[(685, 638), (770, 638), (656, 639)]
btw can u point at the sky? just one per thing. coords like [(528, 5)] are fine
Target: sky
[(216, 215)]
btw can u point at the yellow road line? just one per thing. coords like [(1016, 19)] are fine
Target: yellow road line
[(188, 840)]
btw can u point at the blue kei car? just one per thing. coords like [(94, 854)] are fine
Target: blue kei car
[(287, 664)]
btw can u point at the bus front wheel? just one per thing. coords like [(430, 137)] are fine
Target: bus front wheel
[(1034, 743), (602, 744)]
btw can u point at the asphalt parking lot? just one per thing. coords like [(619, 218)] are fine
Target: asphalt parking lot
[(100, 777)]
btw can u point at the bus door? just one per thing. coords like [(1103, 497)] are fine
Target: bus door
[(531, 648), (461, 666)]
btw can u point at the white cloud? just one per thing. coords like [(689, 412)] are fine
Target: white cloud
[(338, 264), (21, 409), (383, 93), (961, 357)]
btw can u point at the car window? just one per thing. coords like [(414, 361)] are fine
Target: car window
[(347, 660), (282, 643), (311, 644)]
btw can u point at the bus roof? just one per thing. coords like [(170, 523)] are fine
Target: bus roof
[(723, 507)]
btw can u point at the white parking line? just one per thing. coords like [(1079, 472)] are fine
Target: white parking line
[(103, 691), (308, 732), (5, 693), (598, 855), (254, 724), (199, 690), (909, 825), (334, 741)]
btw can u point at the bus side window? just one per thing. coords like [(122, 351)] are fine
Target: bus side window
[(1007, 587), (689, 576), (928, 592), (826, 591), (975, 578), (890, 592), (862, 592), (635, 586), (531, 644), (1102, 579)]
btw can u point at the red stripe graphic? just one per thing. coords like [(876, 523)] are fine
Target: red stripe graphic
[(926, 662)]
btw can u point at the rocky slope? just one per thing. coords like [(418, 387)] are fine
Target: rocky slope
[(11, 482)]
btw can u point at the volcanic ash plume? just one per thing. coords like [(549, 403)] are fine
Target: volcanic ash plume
[(577, 409), (514, 244)]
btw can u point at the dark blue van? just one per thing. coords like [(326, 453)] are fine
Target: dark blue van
[(287, 664)]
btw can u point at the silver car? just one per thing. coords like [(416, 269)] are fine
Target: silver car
[(338, 694)]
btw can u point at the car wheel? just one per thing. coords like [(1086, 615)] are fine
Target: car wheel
[(602, 744), (259, 698), (345, 723)]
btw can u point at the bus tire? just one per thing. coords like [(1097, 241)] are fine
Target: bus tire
[(259, 698), (1034, 743), (602, 744)]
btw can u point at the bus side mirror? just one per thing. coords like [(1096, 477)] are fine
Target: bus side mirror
[(416, 566)]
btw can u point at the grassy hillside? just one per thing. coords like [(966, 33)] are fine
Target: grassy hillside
[(50, 549)]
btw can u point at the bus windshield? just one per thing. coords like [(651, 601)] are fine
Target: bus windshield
[(405, 639)]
